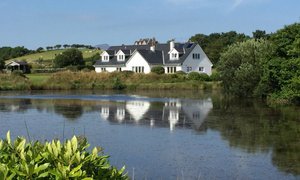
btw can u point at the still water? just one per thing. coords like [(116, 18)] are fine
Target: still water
[(165, 135)]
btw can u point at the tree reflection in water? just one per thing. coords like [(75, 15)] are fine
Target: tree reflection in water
[(254, 127)]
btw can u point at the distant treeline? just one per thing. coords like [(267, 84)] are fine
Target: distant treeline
[(65, 46), (9, 53)]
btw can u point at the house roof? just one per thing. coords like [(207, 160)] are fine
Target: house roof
[(17, 62), (159, 56), (152, 57)]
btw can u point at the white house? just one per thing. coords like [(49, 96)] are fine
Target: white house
[(186, 57)]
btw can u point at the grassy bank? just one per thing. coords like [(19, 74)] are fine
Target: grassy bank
[(92, 80), (14, 82), (123, 80)]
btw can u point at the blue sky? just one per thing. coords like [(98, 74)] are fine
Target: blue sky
[(34, 23)]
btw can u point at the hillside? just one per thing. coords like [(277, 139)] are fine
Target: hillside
[(48, 56)]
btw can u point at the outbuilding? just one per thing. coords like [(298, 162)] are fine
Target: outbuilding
[(16, 65)]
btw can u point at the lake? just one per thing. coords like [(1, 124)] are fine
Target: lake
[(165, 135)]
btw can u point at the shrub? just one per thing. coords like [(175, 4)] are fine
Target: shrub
[(118, 85), (215, 76), (72, 68), (86, 70), (204, 77), (126, 74), (158, 70), (18, 73), (198, 77), (180, 72), (54, 160)]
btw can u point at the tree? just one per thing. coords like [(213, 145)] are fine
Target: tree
[(66, 46), (287, 40), (215, 43), (40, 49), (9, 52), (242, 65), (71, 57), (260, 34), (58, 46), (49, 48), (2, 64)]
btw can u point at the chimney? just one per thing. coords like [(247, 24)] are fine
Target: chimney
[(163, 57), (152, 48), (172, 44)]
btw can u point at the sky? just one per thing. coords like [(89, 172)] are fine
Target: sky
[(41, 23)]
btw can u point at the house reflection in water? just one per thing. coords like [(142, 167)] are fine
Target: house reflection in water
[(137, 109), (173, 113)]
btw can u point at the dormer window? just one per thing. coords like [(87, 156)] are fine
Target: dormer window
[(105, 58), (120, 55), (121, 58), (174, 55)]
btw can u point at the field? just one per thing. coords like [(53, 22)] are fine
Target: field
[(48, 56)]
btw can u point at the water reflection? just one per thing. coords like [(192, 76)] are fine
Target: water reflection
[(249, 126), (254, 127), (171, 113)]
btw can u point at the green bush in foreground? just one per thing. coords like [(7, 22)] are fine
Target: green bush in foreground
[(158, 70), (53, 160)]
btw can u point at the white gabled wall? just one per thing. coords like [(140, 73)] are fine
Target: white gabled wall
[(137, 60), (196, 63)]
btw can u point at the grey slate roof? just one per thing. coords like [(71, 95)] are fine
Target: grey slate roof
[(160, 56), (152, 57)]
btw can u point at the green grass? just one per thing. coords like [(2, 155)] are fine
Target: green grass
[(48, 56), (38, 79)]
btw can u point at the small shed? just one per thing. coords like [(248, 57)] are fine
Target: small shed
[(17, 66)]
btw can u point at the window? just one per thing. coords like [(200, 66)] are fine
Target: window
[(196, 56), (174, 56), (201, 69), (105, 58), (171, 70), (138, 69), (121, 57), (119, 69), (188, 69), (103, 69)]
